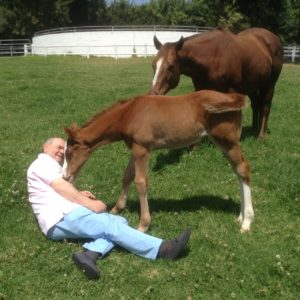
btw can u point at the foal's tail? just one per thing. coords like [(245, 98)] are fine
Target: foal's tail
[(224, 102)]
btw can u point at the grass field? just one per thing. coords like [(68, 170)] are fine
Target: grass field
[(39, 96)]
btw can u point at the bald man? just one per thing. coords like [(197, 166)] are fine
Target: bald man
[(63, 212)]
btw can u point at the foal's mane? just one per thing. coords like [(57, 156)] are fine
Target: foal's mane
[(106, 110)]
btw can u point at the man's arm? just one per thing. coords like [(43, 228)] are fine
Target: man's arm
[(69, 192)]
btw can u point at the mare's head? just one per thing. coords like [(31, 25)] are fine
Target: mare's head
[(76, 153), (166, 67)]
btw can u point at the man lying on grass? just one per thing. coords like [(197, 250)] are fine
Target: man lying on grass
[(63, 212)]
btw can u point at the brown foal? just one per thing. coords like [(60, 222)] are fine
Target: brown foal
[(146, 123)]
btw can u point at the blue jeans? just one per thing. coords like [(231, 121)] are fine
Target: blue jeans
[(106, 231)]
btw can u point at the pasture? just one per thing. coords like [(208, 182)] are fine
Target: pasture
[(39, 96)]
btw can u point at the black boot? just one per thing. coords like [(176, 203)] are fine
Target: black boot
[(86, 262), (171, 249)]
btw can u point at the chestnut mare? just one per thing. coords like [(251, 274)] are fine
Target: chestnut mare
[(248, 63), (146, 123)]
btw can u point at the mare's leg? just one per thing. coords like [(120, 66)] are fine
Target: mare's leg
[(127, 179), (233, 152), (141, 156), (266, 99), (255, 110)]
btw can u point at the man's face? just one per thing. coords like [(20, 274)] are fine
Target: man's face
[(56, 149)]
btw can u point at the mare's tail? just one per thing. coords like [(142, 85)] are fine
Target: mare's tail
[(224, 102)]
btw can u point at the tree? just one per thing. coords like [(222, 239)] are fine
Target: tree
[(233, 19), (119, 12), (290, 23), (21, 18), (265, 13)]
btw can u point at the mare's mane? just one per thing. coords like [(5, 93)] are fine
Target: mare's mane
[(204, 34)]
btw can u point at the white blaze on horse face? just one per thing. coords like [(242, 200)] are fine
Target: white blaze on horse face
[(158, 66)]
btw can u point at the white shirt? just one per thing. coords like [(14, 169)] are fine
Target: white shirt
[(48, 206)]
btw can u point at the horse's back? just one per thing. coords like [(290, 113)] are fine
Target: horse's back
[(177, 121), (208, 43), (231, 49), (152, 109), (265, 37)]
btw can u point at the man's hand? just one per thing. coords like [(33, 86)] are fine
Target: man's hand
[(88, 194), (97, 206), (84, 198)]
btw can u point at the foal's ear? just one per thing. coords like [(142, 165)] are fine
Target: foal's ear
[(71, 131), (157, 43), (68, 132), (179, 44), (74, 127)]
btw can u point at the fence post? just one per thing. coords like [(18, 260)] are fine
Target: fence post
[(293, 54), (116, 52), (25, 50)]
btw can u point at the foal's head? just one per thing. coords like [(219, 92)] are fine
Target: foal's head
[(76, 154), (166, 67)]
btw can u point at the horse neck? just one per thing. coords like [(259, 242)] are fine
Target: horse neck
[(197, 48), (186, 61), (104, 128)]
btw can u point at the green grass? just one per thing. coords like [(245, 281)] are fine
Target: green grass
[(39, 96)]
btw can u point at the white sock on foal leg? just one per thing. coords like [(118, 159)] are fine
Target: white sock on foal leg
[(247, 212)]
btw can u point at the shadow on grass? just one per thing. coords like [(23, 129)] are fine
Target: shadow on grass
[(174, 155), (248, 132), (212, 203), (170, 158)]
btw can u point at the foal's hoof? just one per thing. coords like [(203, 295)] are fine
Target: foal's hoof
[(239, 220), (143, 228), (245, 227), (115, 210)]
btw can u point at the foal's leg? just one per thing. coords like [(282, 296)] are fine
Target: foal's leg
[(127, 179), (241, 168), (141, 156), (235, 156)]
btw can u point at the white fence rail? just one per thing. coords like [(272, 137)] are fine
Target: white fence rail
[(291, 53), (14, 47), (116, 51), (24, 47), (154, 28)]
